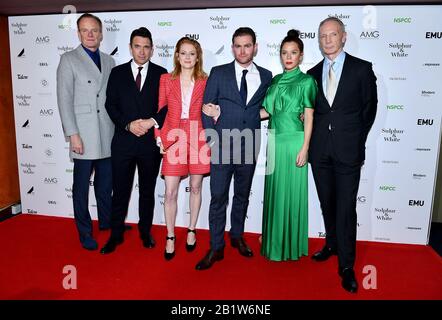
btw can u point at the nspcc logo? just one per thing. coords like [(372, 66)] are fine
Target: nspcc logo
[(392, 107), (402, 20), (278, 21)]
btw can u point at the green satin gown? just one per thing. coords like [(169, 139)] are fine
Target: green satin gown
[(285, 209)]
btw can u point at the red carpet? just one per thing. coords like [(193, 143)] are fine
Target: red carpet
[(36, 248)]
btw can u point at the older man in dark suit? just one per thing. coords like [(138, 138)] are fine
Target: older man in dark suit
[(345, 110), (132, 103), (238, 89)]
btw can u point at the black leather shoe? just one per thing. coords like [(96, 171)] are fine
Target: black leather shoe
[(149, 242), (191, 247), (210, 258), (349, 282), (242, 247), (324, 254), (169, 255), (111, 245)]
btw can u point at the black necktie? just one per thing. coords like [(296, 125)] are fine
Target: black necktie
[(243, 88), (138, 79)]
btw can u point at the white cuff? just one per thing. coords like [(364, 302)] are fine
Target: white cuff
[(216, 117), (156, 126), (159, 142)]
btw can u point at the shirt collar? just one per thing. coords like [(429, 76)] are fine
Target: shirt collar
[(338, 60), (239, 68), (90, 52), (135, 66)]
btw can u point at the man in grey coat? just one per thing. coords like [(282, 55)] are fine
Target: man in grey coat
[(82, 77)]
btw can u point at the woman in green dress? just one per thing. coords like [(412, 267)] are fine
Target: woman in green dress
[(285, 210)]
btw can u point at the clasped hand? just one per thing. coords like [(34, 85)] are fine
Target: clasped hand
[(211, 110), (141, 126)]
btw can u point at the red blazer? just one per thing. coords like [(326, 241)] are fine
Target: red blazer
[(170, 96)]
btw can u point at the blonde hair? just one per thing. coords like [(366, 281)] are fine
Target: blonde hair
[(198, 72)]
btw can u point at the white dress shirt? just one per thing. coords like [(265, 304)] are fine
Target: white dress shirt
[(252, 77), (134, 68)]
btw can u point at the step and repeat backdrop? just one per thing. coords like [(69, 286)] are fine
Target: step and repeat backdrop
[(403, 43)]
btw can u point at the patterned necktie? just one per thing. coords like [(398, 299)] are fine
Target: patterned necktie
[(243, 87), (138, 79), (332, 84)]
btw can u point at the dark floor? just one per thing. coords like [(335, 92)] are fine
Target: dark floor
[(435, 231), (436, 237)]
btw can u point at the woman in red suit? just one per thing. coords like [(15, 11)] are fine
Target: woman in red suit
[(181, 139)]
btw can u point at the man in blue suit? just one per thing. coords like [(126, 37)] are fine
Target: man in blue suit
[(237, 89)]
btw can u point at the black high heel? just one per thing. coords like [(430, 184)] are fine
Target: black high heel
[(191, 247), (169, 256)]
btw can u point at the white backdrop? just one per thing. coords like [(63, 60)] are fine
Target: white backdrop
[(404, 44)]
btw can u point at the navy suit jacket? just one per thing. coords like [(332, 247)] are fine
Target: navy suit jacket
[(125, 103), (351, 115), (222, 89)]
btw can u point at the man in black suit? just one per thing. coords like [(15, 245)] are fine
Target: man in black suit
[(344, 113), (132, 104)]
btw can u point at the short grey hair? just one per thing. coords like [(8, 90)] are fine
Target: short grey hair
[(337, 20)]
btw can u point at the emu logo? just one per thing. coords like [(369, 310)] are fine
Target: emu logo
[(414, 203)]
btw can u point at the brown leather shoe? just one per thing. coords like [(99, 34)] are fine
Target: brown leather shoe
[(210, 258), (242, 247)]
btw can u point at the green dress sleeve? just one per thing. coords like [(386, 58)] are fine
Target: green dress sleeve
[(310, 91), (269, 100)]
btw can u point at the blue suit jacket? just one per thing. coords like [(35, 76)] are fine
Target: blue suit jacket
[(222, 89)]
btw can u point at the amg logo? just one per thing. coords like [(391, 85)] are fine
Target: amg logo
[(46, 112), (21, 54), (40, 40), (31, 191), (369, 34), (52, 180)]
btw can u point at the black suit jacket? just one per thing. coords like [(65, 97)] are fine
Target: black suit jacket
[(125, 103), (351, 115)]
